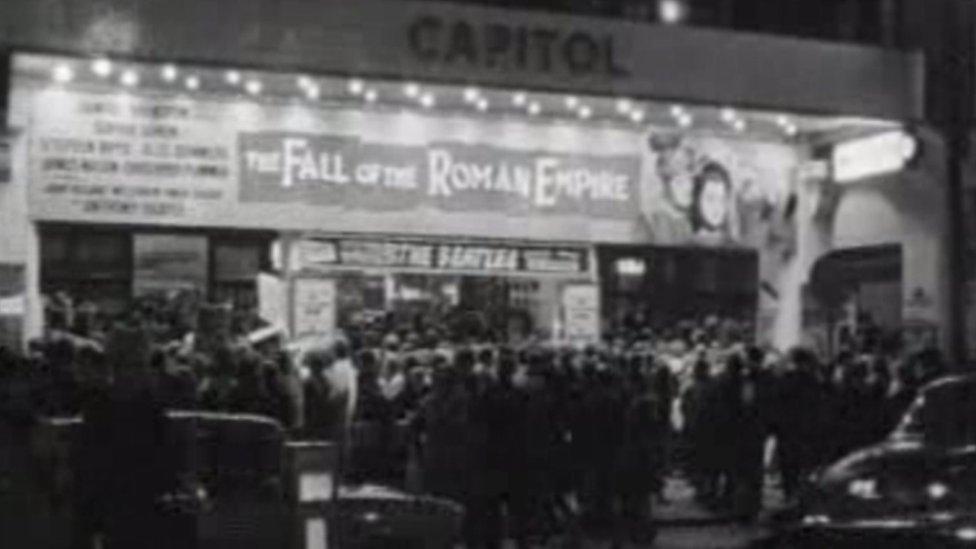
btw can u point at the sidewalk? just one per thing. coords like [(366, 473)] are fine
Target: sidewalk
[(683, 510)]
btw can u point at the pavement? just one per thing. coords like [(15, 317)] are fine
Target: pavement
[(681, 508), (28, 518), (683, 524)]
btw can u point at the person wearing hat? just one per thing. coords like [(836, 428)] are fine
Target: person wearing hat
[(323, 417), (441, 428), (122, 465)]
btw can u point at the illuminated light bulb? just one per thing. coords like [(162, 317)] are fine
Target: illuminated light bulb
[(253, 87), (232, 77), (411, 90), (370, 96), (313, 92), (671, 12), (427, 100), (62, 74), (471, 95), (783, 121), (791, 130), (685, 120), (812, 520), (728, 115), (677, 111), (534, 108), (192, 82), (129, 78), (739, 125), (937, 490), (585, 112), (304, 82), (624, 106), (482, 104), (637, 115), (169, 72), (102, 67), (519, 99), (908, 146), (571, 102), (356, 86)]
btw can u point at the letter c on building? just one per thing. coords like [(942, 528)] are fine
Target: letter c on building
[(422, 37)]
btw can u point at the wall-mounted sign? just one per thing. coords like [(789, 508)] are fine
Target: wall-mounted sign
[(506, 47), (314, 306), (326, 169), (272, 300), (918, 305), (13, 305), (630, 266), (317, 254), (581, 312), (871, 156)]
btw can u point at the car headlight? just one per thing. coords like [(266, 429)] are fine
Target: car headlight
[(966, 533), (816, 520), (864, 488), (937, 490)]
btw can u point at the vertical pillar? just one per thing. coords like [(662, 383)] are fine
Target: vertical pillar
[(954, 70), (34, 313), (956, 242)]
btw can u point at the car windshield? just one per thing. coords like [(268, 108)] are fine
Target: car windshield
[(943, 414)]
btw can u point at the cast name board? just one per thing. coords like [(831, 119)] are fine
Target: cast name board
[(317, 254), (500, 46)]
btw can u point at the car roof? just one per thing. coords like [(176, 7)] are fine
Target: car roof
[(951, 381)]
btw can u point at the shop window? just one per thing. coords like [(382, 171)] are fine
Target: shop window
[(88, 266), (236, 265)]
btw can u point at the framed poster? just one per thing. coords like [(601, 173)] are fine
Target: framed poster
[(272, 302), (13, 305), (314, 306), (581, 312)]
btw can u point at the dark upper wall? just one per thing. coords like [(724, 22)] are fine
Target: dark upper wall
[(379, 38), (875, 22)]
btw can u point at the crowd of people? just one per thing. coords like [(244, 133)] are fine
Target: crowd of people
[(533, 439)]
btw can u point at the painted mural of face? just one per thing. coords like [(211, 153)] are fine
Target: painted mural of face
[(682, 190), (712, 191), (714, 202), (675, 170)]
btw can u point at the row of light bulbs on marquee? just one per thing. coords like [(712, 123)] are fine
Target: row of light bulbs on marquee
[(624, 109)]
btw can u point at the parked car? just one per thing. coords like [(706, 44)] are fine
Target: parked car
[(916, 489), (232, 488)]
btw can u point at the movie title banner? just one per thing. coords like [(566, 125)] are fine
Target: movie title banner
[(329, 170), (321, 254)]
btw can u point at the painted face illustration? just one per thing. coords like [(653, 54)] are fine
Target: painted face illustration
[(714, 202), (675, 170), (713, 188)]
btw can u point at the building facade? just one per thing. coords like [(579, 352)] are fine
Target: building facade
[(403, 150)]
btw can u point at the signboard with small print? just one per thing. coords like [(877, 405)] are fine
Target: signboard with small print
[(322, 254)]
